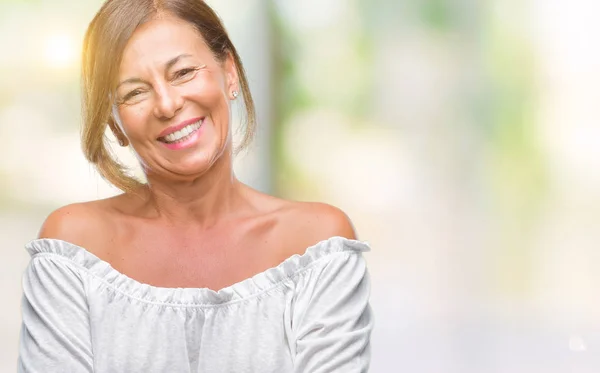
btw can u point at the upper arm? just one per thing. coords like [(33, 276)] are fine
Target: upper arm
[(55, 330), (332, 319)]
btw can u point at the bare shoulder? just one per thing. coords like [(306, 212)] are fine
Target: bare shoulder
[(78, 223), (312, 222), (325, 220)]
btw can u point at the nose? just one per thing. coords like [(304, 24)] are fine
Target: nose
[(168, 102)]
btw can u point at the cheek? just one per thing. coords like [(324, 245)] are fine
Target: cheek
[(207, 91), (133, 119), (211, 96)]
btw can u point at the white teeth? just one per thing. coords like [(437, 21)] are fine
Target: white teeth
[(185, 131)]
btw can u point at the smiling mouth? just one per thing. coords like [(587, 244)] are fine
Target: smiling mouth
[(181, 135)]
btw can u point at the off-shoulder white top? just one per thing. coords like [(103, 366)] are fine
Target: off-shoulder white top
[(309, 314)]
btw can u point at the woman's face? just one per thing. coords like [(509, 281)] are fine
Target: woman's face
[(173, 99)]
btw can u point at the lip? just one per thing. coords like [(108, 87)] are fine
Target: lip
[(193, 139), (175, 128)]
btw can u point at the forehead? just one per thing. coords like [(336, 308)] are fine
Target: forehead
[(159, 40)]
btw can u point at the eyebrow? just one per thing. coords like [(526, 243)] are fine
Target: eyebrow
[(168, 65)]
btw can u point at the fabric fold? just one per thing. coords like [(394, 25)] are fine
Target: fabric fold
[(249, 287)]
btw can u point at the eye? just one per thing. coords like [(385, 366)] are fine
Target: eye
[(183, 73), (132, 94)]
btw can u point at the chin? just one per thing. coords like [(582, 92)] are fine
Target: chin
[(196, 164)]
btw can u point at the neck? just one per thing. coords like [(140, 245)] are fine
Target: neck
[(203, 201)]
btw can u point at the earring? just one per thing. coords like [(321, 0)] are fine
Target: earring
[(234, 94), (121, 142)]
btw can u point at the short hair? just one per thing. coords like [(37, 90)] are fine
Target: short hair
[(105, 40)]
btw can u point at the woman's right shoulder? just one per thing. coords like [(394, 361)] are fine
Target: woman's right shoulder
[(78, 223)]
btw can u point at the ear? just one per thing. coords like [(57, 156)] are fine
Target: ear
[(231, 76), (121, 138)]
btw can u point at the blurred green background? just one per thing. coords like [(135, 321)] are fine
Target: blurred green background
[(460, 136)]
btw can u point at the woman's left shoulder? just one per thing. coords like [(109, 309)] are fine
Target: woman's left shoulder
[(308, 223)]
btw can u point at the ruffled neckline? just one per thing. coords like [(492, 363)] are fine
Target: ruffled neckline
[(194, 297)]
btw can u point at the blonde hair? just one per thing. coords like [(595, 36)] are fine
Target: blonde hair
[(103, 47)]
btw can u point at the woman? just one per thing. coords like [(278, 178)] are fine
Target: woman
[(192, 271)]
